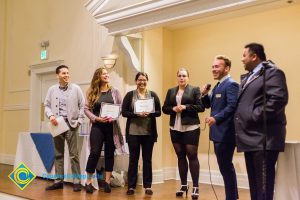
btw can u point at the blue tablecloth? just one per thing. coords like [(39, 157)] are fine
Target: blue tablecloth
[(45, 147)]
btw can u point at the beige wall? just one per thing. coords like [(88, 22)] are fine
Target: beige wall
[(278, 30), (74, 37), (153, 66), (169, 156), (2, 47), (195, 48)]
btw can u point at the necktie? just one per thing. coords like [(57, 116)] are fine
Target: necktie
[(216, 85), (247, 79), (214, 89)]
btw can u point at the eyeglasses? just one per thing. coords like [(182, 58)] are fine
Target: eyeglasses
[(181, 76)]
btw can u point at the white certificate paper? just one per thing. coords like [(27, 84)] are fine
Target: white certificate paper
[(110, 110), (144, 105), (60, 128)]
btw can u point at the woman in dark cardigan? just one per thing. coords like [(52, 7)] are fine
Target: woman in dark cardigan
[(140, 132)]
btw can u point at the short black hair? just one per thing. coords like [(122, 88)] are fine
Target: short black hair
[(257, 49), (141, 74), (60, 67)]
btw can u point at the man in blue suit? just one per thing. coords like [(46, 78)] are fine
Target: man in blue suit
[(222, 102)]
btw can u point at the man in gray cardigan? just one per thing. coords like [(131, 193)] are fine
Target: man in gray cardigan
[(66, 100)]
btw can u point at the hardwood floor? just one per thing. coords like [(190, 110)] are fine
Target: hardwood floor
[(36, 190)]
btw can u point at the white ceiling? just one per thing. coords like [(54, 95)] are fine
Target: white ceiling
[(122, 17), (234, 13)]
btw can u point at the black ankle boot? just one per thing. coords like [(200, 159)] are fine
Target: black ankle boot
[(195, 193), (183, 188)]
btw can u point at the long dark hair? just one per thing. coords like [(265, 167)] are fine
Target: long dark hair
[(94, 92)]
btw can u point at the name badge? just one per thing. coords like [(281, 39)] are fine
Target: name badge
[(218, 95)]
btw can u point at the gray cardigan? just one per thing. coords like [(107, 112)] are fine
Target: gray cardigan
[(75, 104)]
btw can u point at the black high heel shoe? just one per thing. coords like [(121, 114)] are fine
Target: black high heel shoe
[(195, 193), (183, 188)]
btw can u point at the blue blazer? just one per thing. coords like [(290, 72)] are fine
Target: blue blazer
[(222, 102)]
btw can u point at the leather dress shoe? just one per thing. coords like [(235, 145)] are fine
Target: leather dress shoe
[(76, 187), (148, 191), (89, 188), (56, 186), (130, 191)]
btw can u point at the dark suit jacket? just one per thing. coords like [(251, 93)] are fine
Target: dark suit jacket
[(127, 111), (249, 120), (223, 103), (191, 98)]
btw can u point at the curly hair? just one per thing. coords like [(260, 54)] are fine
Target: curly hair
[(94, 92)]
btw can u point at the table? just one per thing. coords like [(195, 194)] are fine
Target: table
[(287, 181), (28, 154)]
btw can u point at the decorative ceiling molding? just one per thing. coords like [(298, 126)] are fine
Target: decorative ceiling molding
[(139, 15), (131, 57)]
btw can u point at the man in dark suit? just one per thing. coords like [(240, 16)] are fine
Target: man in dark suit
[(222, 102), (260, 119)]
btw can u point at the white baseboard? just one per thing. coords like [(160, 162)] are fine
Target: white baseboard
[(217, 179), (7, 159), (168, 173), (171, 173), (157, 177)]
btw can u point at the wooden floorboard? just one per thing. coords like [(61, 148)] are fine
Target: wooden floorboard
[(164, 191)]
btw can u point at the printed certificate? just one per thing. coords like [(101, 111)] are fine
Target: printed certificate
[(110, 110), (60, 128), (144, 105)]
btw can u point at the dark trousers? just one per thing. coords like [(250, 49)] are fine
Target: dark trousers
[(224, 153), (261, 173), (134, 144), (101, 132)]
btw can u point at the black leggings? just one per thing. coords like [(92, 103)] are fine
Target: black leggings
[(101, 132), (183, 152)]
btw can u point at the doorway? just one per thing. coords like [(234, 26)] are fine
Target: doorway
[(42, 76), (47, 80)]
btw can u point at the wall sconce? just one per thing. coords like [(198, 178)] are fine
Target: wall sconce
[(109, 61)]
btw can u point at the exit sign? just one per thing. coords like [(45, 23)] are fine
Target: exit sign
[(44, 54)]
